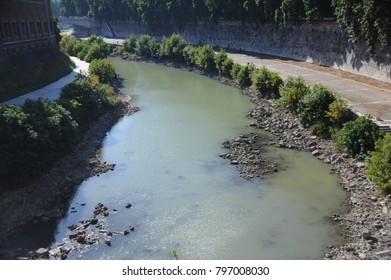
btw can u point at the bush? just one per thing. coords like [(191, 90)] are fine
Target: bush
[(378, 166), (86, 101), (189, 55), (235, 71), (339, 113), (313, 106), (358, 137), (266, 82), (173, 47), (56, 129), (67, 44), (94, 52), (226, 67), (143, 46), (243, 76), (130, 44), (104, 70), (204, 58), (32, 137), (220, 57), (292, 91), (17, 142)]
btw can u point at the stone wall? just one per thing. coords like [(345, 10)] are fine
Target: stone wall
[(323, 43)]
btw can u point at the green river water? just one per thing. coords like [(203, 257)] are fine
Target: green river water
[(185, 197)]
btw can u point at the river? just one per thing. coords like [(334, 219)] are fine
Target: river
[(184, 196)]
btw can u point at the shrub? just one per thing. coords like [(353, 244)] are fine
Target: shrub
[(226, 67), (67, 44), (204, 58), (266, 82), (220, 57), (56, 129), (143, 46), (243, 77), (313, 106), (130, 44), (358, 137), (86, 101), (235, 71), (173, 47), (339, 113), (378, 166), (94, 52), (17, 140), (104, 70), (292, 91), (189, 54)]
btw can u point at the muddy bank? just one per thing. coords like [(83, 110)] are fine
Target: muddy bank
[(47, 199), (366, 226)]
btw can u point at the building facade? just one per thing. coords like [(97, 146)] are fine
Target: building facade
[(26, 26)]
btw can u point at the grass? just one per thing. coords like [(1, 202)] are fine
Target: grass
[(27, 72)]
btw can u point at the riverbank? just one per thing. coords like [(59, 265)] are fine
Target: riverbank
[(47, 199), (366, 226)]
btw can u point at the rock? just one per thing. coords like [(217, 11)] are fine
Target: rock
[(93, 221), (131, 228), (385, 210), (253, 124), (234, 162), (360, 164), (128, 205), (42, 253), (108, 242), (316, 153)]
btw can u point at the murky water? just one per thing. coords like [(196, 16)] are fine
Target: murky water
[(185, 197)]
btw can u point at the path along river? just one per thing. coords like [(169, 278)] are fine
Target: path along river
[(185, 197)]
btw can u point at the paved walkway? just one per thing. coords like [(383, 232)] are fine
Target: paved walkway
[(363, 98), (52, 91)]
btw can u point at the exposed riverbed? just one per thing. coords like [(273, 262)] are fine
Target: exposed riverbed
[(184, 196)]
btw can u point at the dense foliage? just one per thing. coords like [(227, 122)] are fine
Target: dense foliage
[(358, 137), (378, 166)]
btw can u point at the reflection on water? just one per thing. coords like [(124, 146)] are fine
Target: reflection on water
[(184, 196)]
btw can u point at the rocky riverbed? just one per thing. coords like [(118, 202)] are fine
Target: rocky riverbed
[(47, 199), (366, 225)]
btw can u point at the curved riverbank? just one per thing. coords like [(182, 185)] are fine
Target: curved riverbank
[(366, 226), (47, 199)]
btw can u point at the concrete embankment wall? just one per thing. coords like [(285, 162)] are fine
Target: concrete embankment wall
[(321, 43)]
